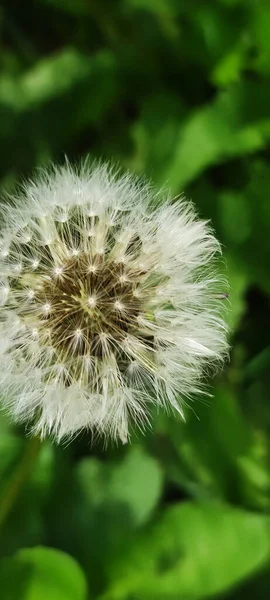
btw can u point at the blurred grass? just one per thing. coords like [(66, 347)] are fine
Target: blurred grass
[(181, 92)]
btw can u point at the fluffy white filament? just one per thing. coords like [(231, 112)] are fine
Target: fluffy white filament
[(109, 302)]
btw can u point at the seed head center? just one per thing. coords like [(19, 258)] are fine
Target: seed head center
[(93, 301)]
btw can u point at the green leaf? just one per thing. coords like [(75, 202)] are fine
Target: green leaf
[(160, 117), (238, 282), (97, 508), (115, 500), (230, 67), (236, 123), (215, 453), (196, 550), (41, 574), (243, 218), (125, 483), (48, 78), (54, 100)]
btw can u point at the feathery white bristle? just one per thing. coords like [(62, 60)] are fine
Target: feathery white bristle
[(107, 304)]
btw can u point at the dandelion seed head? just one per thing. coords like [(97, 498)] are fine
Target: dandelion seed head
[(107, 305)]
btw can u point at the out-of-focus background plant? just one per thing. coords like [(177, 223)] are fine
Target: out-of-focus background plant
[(179, 91)]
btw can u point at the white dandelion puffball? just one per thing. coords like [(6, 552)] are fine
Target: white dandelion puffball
[(109, 302)]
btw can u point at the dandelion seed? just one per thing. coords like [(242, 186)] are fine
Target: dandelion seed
[(119, 306), (17, 268), (58, 271), (119, 320), (46, 308), (91, 301)]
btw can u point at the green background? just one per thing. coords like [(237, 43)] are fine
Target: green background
[(180, 91)]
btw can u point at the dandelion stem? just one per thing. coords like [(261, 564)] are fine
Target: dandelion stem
[(18, 478)]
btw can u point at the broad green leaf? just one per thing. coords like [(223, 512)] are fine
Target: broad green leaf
[(243, 220), (51, 102), (41, 574), (221, 29), (159, 121), (238, 285), (230, 67), (193, 552), (97, 507), (134, 484), (214, 454), (48, 78), (236, 123)]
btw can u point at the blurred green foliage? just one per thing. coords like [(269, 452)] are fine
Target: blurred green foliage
[(179, 91)]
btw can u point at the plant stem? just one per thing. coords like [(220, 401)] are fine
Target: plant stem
[(19, 477)]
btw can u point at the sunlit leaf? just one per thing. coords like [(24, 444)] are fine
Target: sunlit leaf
[(40, 574), (193, 552)]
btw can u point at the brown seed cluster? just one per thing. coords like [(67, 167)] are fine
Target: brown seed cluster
[(87, 301)]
